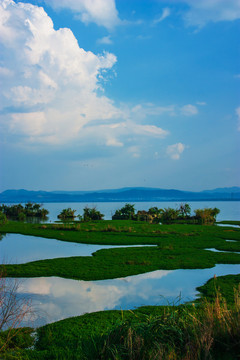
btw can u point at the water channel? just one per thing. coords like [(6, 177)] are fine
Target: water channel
[(19, 249)]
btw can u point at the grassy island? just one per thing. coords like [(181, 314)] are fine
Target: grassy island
[(179, 246)]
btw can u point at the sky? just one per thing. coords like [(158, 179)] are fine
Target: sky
[(105, 94)]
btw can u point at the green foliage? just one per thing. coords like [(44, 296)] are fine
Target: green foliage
[(22, 216), (230, 222), (125, 213), (169, 215), (67, 214), (92, 214), (3, 218), (207, 215), (155, 215), (20, 212), (181, 215), (227, 285), (185, 210), (209, 331), (14, 341)]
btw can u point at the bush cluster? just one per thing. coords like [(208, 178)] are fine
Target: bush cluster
[(20, 212), (168, 215)]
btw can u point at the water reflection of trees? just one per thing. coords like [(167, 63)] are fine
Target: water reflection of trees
[(2, 235)]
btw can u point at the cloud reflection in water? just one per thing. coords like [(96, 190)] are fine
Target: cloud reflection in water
[(56, 298)]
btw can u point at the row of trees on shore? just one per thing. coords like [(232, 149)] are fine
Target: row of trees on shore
[(156, 215), (153, 215), (182, 214)]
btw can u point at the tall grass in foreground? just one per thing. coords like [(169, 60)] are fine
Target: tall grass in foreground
[(206, 331)]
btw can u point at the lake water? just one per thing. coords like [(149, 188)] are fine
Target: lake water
[(229, 210), (55, 298), (19, 249)]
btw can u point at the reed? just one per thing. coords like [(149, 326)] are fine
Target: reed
[(210, 330)]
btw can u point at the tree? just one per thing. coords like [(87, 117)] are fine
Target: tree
[(125, 213), (92, 214), (207, 215), (13, 310), (67, 214), (185, 210), (169, 215)]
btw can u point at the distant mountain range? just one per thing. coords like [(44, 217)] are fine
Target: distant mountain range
[(124, 194)]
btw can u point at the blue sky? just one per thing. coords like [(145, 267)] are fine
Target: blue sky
[(106, 94)]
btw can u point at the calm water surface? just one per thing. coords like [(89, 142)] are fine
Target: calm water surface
[(19, 249), (55, 298)]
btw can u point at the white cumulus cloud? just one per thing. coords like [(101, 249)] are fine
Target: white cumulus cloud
[(175, 151), (101, 12), (51, 89), (45, 71)]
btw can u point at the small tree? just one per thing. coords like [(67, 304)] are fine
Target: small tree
[(92, 214), (185, 210), (125, 213), (207, 215), (13, 310), (169, 215), (67, 214)]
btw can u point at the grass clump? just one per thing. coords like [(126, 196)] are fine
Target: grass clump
[(209, 330), (13, 343)]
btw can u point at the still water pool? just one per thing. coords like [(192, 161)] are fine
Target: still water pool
[(55, 298), (19, 249)]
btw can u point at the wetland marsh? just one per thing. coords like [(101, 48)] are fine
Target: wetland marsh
[(118, 271)]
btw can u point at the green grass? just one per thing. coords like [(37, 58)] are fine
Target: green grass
[(230, 222), (178, 247), (226, 285), (210, 330)]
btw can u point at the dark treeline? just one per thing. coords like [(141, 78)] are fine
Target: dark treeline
[(168, 215), (155, 215), (20, 212)]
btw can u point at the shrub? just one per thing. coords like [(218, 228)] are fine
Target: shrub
[(67, 214), (92, 214), (169, 215), (207, 215), (3, 218), (127, 212)]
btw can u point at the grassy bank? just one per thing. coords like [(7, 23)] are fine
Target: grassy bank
[(178, 247), (209, 330)]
